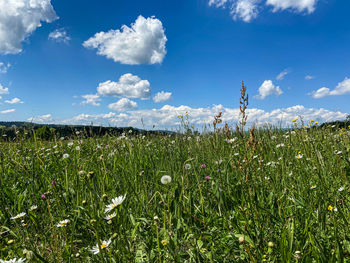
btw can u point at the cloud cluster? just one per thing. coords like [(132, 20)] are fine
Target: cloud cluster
[(142, 43), (162, 96), (341, 89), (60, 35), (3, 90), (19, 19), (129, 86), (7, 111), (91, 99), (4, 67), (122, 105), (268, 88), (14, 101), (47, 118), (167, 116), (283, 74), (247, 10)]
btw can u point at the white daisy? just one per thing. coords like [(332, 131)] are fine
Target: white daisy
[(33, 207), (95, 250), (341, 189), (18, 216), (63, 223), (14, 260), (111, 216), (115, 203)]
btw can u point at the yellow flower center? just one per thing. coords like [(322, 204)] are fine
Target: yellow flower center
[(103, 245), (330, 208)]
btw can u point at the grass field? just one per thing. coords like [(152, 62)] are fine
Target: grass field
[(269, 196)]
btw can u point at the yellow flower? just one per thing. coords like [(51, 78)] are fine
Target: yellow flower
[(316, 122), (330, 208), (165, 242), (295, 119), (311, 121)]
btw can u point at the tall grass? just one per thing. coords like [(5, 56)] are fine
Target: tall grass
[(266, 196)]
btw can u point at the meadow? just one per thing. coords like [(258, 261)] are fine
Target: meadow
[(266, 195)]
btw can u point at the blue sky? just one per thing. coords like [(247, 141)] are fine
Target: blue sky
[(172, 57)]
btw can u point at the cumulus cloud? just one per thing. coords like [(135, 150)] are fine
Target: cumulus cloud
[(167, 116), (282, 74), (14, 101), (19, 19), (122, 105), (47, 118), (268, 88), (247, 10), (4, 67), (129, 86), (297, 5), (308, 77), (3, 90), (60, 35), (142, 43), (91, 99), (7, 111), (162, 96), (341, 89)]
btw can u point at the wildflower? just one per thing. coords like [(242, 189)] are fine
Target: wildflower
[(241, 239), (77, 148), (109, 222), (207, 178), (231, 140), (43, 196), (63, 223), (166, 179), (335, 209), (187, 166), (203, 165), (18, 216), (299, 156), (341, 188), (33, 207), (14, 260), (270, 244), (111, 216), (330, 208), (65, 156), (53, 183), (297, 255), (316, 122), (294, 120), (70, 144), (164, 242), (313, 187), (115, 203), (96, 249)]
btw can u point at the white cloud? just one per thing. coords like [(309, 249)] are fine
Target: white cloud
[(7, 111), (341, 89), (282, 74), (167, 116), (0, 97), (91, 99), (308, 77), (298, 5), (123, 104), (129, 86), (218, 3), (60, 35), (162, 96), (268, 88), (142, 43), (3, 90), (47, 118), (4, 67), (19, 19), (14, 101), (246, 10)]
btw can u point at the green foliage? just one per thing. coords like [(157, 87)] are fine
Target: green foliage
[(268, 196)]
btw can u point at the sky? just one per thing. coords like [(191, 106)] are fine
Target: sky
[(142, 63)]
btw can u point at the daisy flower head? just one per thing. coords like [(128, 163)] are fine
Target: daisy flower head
[(96, 249), (341, 188), (313, 187), (33, 207), (299, 156), (166, 179), (18, 216), (63, 223), (115, 203), (111, 216), (14, 260)]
